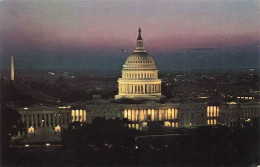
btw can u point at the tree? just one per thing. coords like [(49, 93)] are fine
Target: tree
[(10, 126), (99, 133)]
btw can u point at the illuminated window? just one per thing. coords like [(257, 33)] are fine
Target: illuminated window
[(73, 115), (152, 115), (144, 124), (169, 113), (129, 125), (167, 123), (133, 126), (125, 113), (137, 126)]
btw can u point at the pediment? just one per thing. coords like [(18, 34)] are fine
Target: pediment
[(42, 107)]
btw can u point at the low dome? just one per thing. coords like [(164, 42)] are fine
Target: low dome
[(139, 59)]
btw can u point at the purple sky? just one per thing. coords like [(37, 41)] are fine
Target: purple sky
[(94, 26)]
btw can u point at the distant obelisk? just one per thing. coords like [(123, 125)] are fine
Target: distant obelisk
[(12, 68)]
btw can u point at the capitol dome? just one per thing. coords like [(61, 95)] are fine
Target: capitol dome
[(139, 59), (139, 76)]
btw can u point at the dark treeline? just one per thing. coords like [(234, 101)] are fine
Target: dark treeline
[(111, 143), (100, 133), (203, 146)]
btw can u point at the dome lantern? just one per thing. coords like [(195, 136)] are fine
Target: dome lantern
[(139, 42)]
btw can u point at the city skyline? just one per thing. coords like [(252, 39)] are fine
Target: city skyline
[(85, 34)]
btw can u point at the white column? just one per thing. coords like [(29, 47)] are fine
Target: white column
[(133, 115), (49, 119), (61, 119), (65, 118), (36, 120), (40, 119), (45, 120), (23, 118), (27, 120), (85, 116), (32, 119), (58, 119), (53, 119), (136, 115)]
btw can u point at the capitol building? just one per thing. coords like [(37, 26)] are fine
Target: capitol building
[(140, 84), (139, 76)]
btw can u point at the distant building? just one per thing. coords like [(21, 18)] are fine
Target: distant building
[(96, 96)]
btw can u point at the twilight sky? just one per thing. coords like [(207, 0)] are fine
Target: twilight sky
[(90, 34)]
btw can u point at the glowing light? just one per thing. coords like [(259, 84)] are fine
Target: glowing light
[(57, 128), (203, 97), (31, 130), (167, 123)]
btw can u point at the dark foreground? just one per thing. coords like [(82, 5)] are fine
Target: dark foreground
[(200, 147)]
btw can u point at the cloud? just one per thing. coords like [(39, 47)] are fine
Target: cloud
[(200, 49)]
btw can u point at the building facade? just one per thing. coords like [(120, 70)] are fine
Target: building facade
[(170, 115)]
